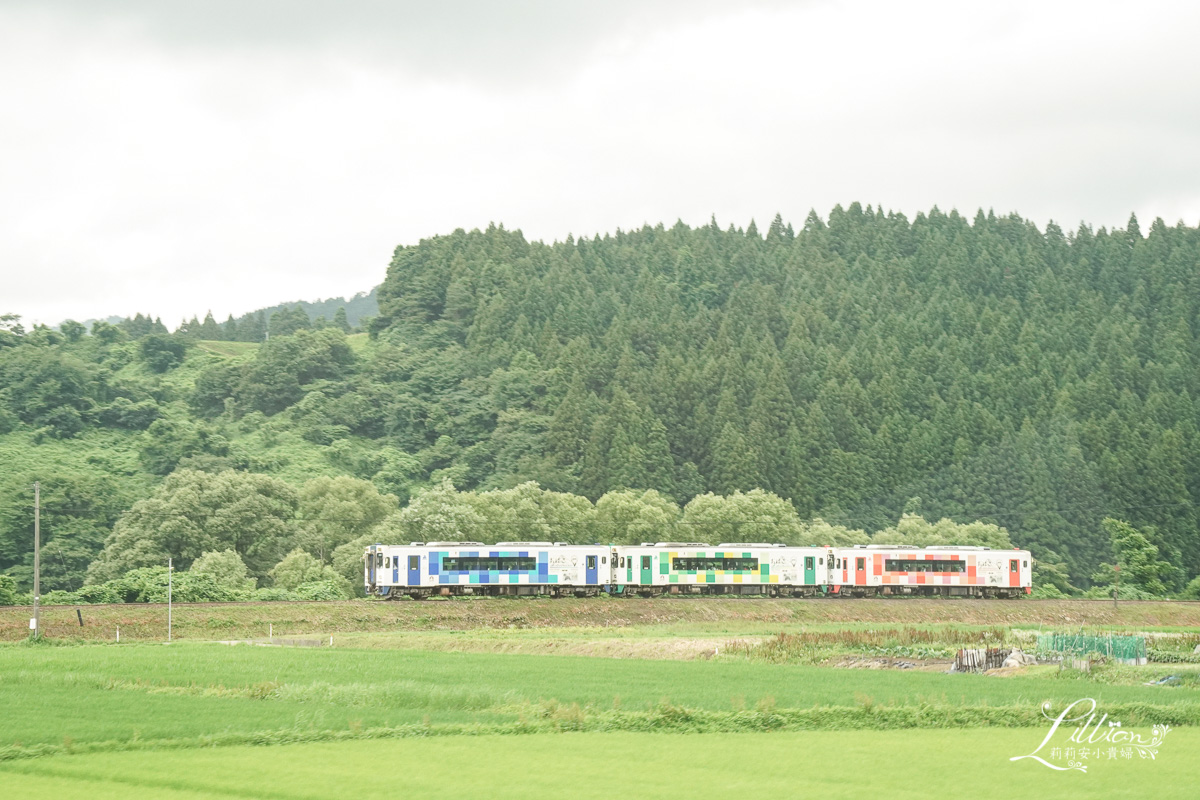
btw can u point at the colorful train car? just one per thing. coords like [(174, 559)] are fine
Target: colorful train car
[(729, 568), (470, 568), (947, 571), (421, 570)]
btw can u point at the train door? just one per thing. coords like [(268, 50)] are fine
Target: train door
[(860, 571), (1014, 572), (414, 570), (647, 571), (371, 568), (810, 570), (592, 566)]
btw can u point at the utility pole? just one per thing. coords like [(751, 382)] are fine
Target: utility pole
[(1117, 591), (170, 572), (37, 559)]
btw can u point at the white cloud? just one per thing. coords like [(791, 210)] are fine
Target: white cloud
[(143, 169)]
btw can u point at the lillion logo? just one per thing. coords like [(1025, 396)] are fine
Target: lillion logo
[(1091, 739)]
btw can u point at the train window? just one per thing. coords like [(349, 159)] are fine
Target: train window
[(820, 561), (1012, 566), (1024, 563), (706, 564), (838, 565), (622, 561), (487, 563), (603, 559), (914, 565), (591, 562), (808, 562), (645, 562), (414, 562), (860, 563)]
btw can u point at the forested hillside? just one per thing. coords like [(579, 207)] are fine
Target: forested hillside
[(975, 369)]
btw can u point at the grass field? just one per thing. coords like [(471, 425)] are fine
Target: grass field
[(90, 694), (682, 617), (524, 698), (892, 764)]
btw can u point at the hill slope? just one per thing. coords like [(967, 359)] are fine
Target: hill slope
[(860, 367)]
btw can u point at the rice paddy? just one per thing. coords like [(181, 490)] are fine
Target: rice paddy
[(447, 699)]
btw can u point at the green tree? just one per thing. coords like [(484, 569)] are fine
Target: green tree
[(1136, 558), (161, 351), (8, 590), (74, 331), (167, 442), (754, 516), (915, 530), (285, 365), (226, 568), (631, 517), (1052, 577), (528, 512), (298, 568), (734, 466), (440, 514), (192, 513), (333, 511), (209, 328)]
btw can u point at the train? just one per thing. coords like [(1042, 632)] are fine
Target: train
[(422, 570)]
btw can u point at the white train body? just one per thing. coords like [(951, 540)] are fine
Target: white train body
[(424, 569), (506, 568), (899, 569), (728, 568)]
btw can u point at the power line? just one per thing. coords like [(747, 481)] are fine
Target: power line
[(978, 514)]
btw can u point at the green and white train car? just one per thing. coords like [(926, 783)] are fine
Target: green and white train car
[(729, 568)]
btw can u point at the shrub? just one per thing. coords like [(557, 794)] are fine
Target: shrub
[(124, 413), (162, 351), (99, 593), (8, 590), (321, 590), (62, 422), (149, 585), (59, 597), (1127, 593), (226, 568), (298, 568)]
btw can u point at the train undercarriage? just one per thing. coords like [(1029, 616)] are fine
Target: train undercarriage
[(695, 590)]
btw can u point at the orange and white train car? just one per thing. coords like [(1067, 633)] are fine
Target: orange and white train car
[(947, 571)]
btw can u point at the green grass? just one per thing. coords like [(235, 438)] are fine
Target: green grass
[(229, 349), (582, 618), (192, 720), (120, 693), (895, 764)]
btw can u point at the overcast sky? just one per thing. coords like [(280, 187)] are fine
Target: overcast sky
[(176, 157)]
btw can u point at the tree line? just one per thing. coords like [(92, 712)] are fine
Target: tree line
[(1036, 380)]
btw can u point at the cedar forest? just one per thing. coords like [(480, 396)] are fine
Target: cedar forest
[(843, 382)]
